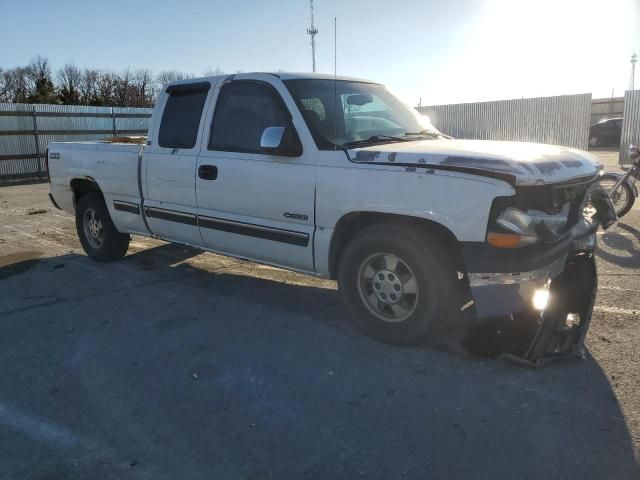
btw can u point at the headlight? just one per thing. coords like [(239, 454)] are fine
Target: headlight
[(526, 228)]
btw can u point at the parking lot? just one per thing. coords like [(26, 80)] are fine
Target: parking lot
[(179, 364)]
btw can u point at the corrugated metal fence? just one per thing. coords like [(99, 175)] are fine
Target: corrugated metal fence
[(25, 131), (562, 120), (630, 124)]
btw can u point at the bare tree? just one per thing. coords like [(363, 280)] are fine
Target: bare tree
[(4, 86), (41, 88), (69, 79), (142, 82), (34, 83), (122, 88), (105, 85), (212, 72), (17, 85), (87, 86), (167, 76)]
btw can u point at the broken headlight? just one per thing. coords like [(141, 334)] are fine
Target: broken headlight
[(521, 228)]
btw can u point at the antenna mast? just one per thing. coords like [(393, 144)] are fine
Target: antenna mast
[(312, 31)]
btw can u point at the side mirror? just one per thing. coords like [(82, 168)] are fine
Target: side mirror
[(272, 139)]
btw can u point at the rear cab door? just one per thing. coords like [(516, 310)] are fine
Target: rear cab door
[(170, 161), (257, 205)]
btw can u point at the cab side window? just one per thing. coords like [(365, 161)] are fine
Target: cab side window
[(181, 116), (243, 110)]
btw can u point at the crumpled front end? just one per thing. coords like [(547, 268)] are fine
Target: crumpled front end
[(534, 317), (533, 304)]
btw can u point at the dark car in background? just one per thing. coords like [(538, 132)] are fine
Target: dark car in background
[(606, 133)]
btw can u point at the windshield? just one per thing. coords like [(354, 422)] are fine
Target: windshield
[(364, 113)]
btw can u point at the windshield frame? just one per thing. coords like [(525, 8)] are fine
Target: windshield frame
[(323, 142)]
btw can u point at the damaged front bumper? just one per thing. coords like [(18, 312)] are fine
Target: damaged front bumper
[(535, 305)]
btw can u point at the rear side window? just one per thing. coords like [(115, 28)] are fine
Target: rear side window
[(243, 111), (181, 117)]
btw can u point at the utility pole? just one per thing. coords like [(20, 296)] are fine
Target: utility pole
[(312, 32), (634, 59)]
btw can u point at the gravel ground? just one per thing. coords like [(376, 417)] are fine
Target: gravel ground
[(178, 364)]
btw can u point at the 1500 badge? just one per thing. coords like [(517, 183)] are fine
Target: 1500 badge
[(296, 216)]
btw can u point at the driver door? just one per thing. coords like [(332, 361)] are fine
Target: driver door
[(254, 204)]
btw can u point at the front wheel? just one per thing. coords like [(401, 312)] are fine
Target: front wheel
[(397, 282), (99, 237), (622, 198)]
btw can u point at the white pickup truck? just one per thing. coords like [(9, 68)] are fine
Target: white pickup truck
[(337, 178)]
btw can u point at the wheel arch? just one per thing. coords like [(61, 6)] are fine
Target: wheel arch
[(351, 223), (81, 186)]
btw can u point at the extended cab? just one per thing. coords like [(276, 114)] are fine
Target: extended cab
[(335, 177)]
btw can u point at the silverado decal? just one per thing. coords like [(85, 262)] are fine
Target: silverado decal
[(296, 216)]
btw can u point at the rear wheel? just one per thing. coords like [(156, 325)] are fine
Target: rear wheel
[(622, 198), (397, 282), (98, 236)]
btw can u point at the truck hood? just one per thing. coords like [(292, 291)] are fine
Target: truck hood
[(518, 162)]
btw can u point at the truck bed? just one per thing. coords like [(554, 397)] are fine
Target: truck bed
[(113, 166)]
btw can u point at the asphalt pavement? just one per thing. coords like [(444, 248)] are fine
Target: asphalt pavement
[(174, 363)]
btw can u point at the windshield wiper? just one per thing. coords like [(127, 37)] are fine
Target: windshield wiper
[(375, 139), (429, 133)]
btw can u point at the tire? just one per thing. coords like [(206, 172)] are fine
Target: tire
[(623, 199), (98, 236), (409, 317)]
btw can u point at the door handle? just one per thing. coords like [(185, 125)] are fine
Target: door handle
[(208, 172)]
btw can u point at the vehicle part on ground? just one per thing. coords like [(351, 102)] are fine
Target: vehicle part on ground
[(397, 282), (99, 237)]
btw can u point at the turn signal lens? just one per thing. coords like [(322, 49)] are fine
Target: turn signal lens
[(504, 240)]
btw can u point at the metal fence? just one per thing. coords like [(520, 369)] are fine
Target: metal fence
[(25, 131), (562, 120), (630, 124)]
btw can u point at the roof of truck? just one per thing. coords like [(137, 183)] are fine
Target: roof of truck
[(316, 76), (281, 75)]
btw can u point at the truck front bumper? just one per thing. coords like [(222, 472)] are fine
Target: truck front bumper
[(535, 305)]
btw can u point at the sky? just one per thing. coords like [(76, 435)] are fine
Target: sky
[(433, 51)]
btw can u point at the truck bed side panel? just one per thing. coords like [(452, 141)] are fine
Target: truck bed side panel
[(113, 167)]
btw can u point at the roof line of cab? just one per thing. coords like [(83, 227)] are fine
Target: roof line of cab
[(280, 75)]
